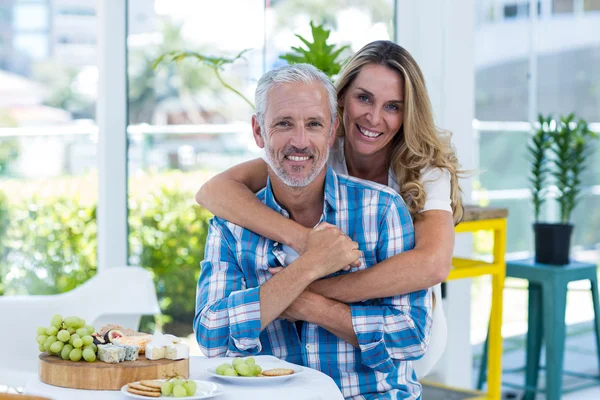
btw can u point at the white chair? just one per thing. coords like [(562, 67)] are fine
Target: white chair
[(119, 295), (437, 340)]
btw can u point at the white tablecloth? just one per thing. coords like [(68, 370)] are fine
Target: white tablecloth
[(307, 385)]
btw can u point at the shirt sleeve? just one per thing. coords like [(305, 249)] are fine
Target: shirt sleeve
[(393, 328), (436, 183), (227, 320)]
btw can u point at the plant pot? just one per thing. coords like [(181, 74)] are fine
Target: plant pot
[(552, 243)]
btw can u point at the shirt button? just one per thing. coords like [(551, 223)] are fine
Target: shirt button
[(276, 244), (309, 347)]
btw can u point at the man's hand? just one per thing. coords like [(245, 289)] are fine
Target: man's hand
[(330, 250)]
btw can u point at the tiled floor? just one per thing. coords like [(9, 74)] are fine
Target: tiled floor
[(580, 356)]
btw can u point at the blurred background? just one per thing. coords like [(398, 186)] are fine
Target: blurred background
[(183, 126)]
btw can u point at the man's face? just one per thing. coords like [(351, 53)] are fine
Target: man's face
[(297, 132)]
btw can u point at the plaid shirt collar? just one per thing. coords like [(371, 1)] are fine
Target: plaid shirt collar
[(331, 194)]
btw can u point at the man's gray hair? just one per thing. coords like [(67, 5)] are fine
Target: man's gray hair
[(295, 73)]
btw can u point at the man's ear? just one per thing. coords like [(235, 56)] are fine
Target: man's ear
[(260, 142)]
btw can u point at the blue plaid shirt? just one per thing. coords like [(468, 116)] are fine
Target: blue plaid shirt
[(391, 331)]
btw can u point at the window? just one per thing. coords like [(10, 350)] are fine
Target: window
[(5, 15), (519, 10), (563, 6), (35, 45), (565, 81), (30, 17), (47, 162), (77, 11), (591, 5)]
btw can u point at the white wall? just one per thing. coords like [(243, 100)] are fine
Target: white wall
[(439, 35), (112, 133)]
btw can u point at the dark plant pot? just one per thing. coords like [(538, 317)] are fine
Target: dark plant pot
[(552, 243)]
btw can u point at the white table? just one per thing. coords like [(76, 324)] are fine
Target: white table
[(310, 384)]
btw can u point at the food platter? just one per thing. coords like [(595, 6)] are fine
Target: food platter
[(104, 376)]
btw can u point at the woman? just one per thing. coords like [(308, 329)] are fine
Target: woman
[(386, 135)]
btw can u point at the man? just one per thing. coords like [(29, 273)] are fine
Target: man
[(243, 310)]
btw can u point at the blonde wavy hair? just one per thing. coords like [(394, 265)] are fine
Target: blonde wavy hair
[(418, 143)]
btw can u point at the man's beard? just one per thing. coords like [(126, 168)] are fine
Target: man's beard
[(291, 180)]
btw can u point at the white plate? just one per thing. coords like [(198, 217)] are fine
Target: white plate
[(204, 390), (258, 380)]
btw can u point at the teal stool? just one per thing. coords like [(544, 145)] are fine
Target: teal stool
[(546, 319)]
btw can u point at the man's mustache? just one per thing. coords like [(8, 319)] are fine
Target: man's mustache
[(288, 151)]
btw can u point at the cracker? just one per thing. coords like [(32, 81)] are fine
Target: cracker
[(137, 386), (151, 384), (143, 392), (278, 372)]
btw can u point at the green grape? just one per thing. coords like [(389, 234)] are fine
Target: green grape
[(51, 330), (41, 347), (73, 337), (166, 388), (250, 361), (256, 369), (222, 368), (190, 388), (90, 329), (71, 322), (87, 340), (56, 321), (41, 331), (75, 355), (89, 355), (243, 369), (57, 347), (63, 336), (77, 343), (48, 342), (70, 330), (81, 332), (179, 391), (66, 350), (230, 372), (236, 361), (41, 338), (80, 323), (177, 381), (93, 345)]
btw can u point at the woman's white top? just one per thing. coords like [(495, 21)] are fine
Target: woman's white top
[(436, 181)]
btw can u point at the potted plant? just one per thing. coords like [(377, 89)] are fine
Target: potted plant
[(557, 155)]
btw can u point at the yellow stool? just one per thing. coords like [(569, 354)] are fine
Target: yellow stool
[(485, 219)]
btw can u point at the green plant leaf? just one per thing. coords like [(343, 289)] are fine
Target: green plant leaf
[(319, 53)]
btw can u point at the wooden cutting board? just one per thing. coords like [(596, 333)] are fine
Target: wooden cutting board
[(99, 375)]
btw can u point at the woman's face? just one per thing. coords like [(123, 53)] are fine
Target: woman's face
[(373, 108)]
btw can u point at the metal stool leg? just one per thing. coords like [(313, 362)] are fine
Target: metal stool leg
[(554, 299), (596, 301), (534, 340)]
